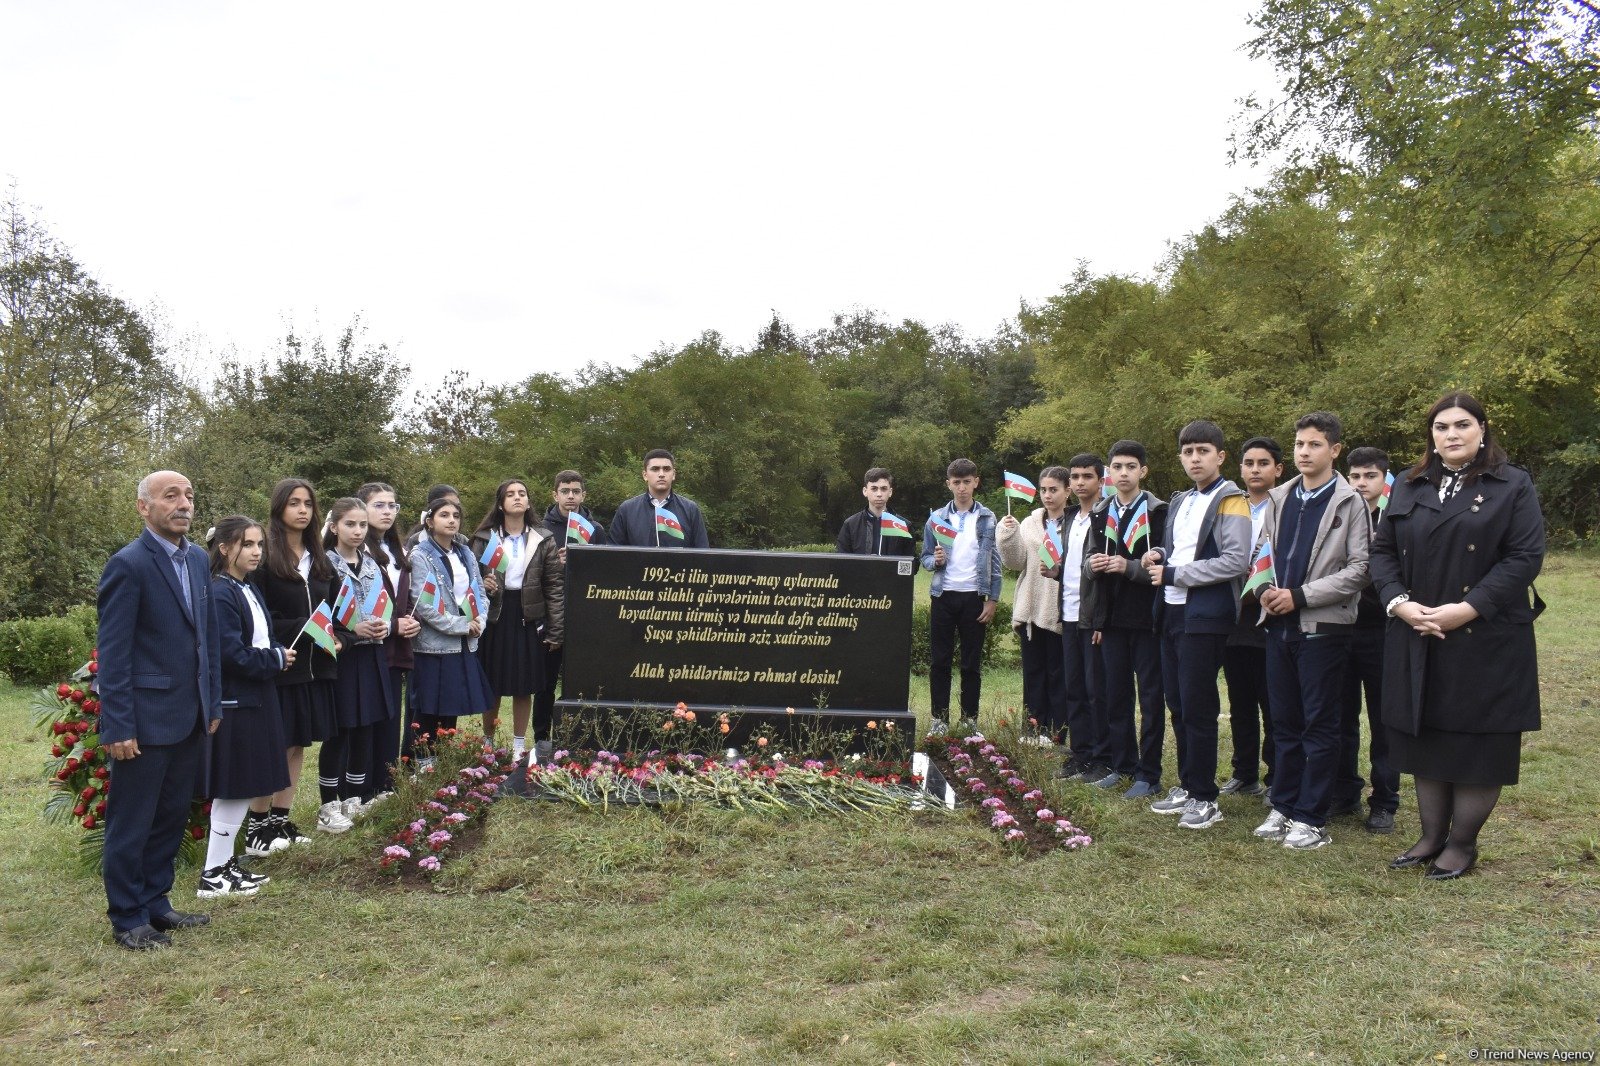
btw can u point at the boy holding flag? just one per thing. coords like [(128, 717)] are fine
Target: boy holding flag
[(1244, 660), (1124, 527), (640, 521), (875, 531), (1033, 548), (958, 545), (1080, 642)]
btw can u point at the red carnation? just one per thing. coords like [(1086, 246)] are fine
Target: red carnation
[(61, 774), (77, 695), (102, 773), (88, 823), (88, 792), (80, 810), (100, 808), (94, 667), (72, 766), (63, 690), (197, 831), (92, 705), (55, 749)]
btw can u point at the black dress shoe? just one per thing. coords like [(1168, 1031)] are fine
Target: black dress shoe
[(1406, 862), (1439, 873), (142, 938), (1380, 822), (179, 920)]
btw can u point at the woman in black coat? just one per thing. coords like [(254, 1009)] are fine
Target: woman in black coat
[(1453, 563)]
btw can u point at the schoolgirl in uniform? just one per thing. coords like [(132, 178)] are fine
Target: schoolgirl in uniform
[(447, 681), (524, 608), (294, 578), (388, 551), (244, 757), (362, 697)]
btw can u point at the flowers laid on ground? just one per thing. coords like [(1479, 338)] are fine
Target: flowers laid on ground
[(987, 776), (455, 780), (79, 771)]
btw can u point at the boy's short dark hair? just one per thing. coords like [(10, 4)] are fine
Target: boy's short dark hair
[(1056, 473), (1087, 459), (1266, 444), (961, 468), (1201, 432), (1325, 422), (659, 453), (567, 477), (877, 473), (1367, 455), (1130, 448)]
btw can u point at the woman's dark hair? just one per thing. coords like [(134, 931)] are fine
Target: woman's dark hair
[(433, 509), (1490, 455), (283, 554), (230, 530), (1056, 473), (496, 518), (341, 507), (387, 547), (435, 494)]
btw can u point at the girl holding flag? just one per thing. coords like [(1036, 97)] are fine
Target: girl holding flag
[(523, 576), (361, 612), (295, 579), (1034, 548), (447, 681), (387, 549)]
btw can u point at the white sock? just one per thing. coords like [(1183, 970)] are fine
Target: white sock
[(518, 746), (226, 818)]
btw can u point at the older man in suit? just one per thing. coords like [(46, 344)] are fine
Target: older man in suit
[(160, 686)]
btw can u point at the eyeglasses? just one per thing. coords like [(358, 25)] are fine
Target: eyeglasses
[(385, 506)]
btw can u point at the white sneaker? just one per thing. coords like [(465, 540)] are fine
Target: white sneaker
[(353, 808), (331, 819), (1200, 814), (1274, 828), (1303, 837), (1172, 803), (226, 880)]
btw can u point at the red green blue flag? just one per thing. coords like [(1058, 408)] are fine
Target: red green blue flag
[(1050, 549), (1138, 526), (1113, 523), (319, 627), (579, 528), (1388, 487), (378, 604), (1261, 572), (1106, 492), (345, 604), (429, 597), (1020, 488), (893, 526), (494, 554), (943, 532), (469, 605), (667, 522)]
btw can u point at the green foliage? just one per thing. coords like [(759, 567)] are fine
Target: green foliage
[(36, 650), (1000, 648)]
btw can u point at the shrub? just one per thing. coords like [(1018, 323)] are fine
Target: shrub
[(36, 650), (87, 618), (1000, 648)]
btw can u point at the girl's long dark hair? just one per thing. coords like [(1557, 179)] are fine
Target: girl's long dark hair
[(387, 547), (1490, 457), (230, 530), (283, 554), (496, 518)]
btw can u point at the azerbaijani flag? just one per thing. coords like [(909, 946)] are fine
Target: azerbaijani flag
[(494, 554), (943, 532), (1388, 487), (1019, 487), (1138, 526), (667, 522), (579, 528), (469, 605), (377, 603), (1113, 524), (893, 526), (1106, 492), (1261, 572), (1050, 549), (319, 627), (345, 604), (429, 597)]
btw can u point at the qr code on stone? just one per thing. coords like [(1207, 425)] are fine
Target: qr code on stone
[(905, 568)]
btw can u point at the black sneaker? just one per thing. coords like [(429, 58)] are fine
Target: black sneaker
[(263, 838), (225, 880), (249, 875), (1380, 822), (287, 830)]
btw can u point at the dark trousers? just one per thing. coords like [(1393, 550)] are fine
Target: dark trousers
[(386, 738), (1085, 696), (544, 701), (1364, 671), (1249, 720), (1133, 656), (954, 614), (1193, 659), (1306, 680), (1044, 689), (147, 813)]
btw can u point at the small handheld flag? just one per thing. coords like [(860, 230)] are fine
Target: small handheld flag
[(429, 597), (469, 605), (667, 522), (1261, 572), (1020, 488), (1106, 492), (377, 603), (319, 627), (345, 604), (1113, 524), (1138, 527), (1388, 487), (579, 529), (494, 554), (892, 526), (943, 532), (1050, 549)]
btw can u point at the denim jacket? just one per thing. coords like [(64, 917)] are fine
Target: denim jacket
[(444, 626), (988, 556)]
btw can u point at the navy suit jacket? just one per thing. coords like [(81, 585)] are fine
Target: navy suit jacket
[(160, 661), (634, 524)]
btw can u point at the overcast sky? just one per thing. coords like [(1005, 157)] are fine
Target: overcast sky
[(522, 187)]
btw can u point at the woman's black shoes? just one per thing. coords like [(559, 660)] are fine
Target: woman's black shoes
[(1407, 861), (1438, 873)]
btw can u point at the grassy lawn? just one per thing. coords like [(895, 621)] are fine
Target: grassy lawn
[(706, 936)]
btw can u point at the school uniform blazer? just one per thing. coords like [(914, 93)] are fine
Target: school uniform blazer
[(1337, 569), (1484, 547), (1125, 600), (160, 672), (634, 524), (246, 669), (290, 601)]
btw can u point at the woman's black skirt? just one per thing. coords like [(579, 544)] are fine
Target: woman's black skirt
[(512, 651), (244, 757), (1459, 758), (361, 691), (449, 686), (308, 712)]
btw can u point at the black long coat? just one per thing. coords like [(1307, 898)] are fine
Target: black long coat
[(1484, 546)]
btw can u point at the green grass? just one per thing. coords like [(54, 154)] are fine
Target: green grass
[(700, 935)]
